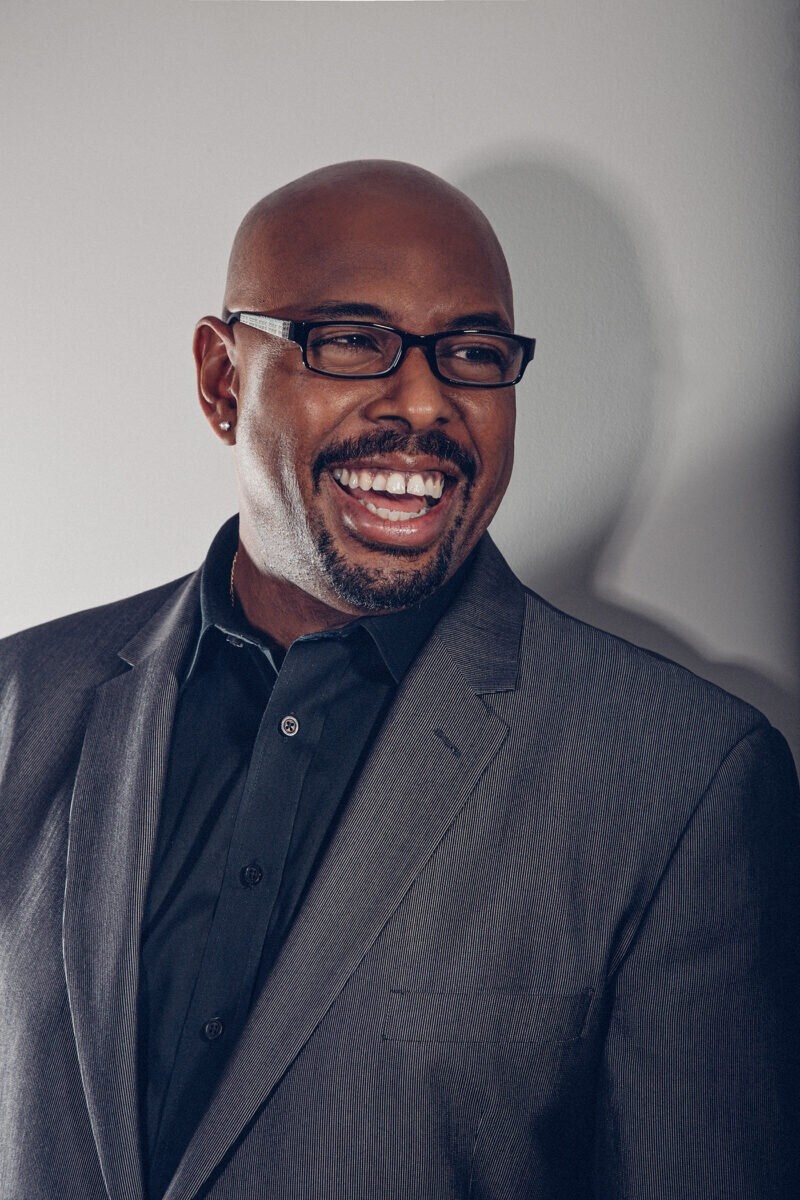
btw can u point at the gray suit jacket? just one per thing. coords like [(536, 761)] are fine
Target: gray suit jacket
[(549, 953)]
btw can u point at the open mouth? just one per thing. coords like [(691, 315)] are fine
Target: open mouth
[(392, 495)]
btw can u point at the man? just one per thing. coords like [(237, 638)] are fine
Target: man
[(379, 876)]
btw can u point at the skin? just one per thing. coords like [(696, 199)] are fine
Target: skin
[(399, 239)]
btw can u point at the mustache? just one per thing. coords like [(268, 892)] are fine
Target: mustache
[(431, 444)]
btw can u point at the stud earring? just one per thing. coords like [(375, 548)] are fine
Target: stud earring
[(224, 426)]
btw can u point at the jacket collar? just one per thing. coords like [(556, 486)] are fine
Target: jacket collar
[(170, 629), (482, 629)]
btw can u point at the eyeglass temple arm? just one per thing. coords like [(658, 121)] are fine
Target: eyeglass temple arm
[(273, 325)]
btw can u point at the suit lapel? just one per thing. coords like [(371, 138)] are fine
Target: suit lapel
[(113, 824), (437, 741)]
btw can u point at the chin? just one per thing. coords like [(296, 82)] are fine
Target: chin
[(396, 583)]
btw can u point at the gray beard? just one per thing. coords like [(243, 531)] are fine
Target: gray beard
[(376, 589)]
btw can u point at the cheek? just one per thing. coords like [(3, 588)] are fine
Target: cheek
[(268, 477), (494, 438), (264, 446), (276, 443)]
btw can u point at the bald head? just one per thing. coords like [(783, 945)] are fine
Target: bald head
[(373, 214)]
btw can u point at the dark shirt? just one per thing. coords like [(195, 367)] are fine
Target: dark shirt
[(263, 752)]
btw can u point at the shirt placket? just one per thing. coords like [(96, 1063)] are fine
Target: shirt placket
[(287, 739)]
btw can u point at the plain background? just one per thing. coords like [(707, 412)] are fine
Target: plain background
[(640, 163)]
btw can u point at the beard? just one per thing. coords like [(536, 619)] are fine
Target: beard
[(380, 589)]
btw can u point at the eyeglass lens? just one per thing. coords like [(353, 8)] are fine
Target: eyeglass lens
[(340, 349)]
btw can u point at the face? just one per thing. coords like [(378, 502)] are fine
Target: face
[(367, 494)]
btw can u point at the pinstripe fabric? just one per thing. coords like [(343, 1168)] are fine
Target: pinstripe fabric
[(549, 954), (110, 848)]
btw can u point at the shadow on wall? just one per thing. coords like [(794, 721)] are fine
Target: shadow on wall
[(595, 410)]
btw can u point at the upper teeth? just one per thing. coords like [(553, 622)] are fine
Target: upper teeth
[(396, 483)]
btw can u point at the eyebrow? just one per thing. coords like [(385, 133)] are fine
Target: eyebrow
[(373, 312), (480, 320), (349, 308)]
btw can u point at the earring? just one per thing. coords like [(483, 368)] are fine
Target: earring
[(224, 426)]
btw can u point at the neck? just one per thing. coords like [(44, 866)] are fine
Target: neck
[(279, 608)]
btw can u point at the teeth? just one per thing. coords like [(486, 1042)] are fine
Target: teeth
[(434, 486), (395, 483), (393, 514)]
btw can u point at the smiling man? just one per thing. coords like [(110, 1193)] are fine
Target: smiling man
[(348, 867), (370, 459)]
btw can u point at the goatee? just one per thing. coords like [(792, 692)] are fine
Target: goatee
[(380, 589)]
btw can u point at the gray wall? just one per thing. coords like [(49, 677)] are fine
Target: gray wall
[(640, 163)]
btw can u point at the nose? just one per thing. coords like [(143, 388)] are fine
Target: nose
[(412, 397)]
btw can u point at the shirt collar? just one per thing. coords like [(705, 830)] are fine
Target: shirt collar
[(398, 636)]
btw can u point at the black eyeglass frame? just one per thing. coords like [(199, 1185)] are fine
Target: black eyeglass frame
[(298, 331)]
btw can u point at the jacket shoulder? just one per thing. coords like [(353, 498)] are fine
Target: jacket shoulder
[(624, 685), (75, 648), (579, 677)]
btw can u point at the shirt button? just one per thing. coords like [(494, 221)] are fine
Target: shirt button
[(213, 1029), (290, 726), (251, 875), (234, 641)]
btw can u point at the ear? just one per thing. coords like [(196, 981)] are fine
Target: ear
[(217, 380)]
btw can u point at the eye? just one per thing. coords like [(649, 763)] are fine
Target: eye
[(477, 358), (348, 349), (359, 342), (479, 353)]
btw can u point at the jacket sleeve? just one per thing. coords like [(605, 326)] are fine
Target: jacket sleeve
[(700, 1083)]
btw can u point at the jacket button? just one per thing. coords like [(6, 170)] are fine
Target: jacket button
[(251, 875), (213, 1029), (290, 726)]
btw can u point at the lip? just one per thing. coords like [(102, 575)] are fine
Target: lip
[(417, 533)]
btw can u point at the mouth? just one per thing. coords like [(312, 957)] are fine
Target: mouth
[(387, 506), (392, 495)]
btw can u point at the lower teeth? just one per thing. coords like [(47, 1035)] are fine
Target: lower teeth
[(393, 514)]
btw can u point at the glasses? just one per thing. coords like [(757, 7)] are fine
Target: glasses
[(360, 350)]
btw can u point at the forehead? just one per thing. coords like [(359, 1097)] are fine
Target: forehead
[(421, 262)]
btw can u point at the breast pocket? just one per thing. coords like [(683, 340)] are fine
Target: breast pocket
[(485, 1016)]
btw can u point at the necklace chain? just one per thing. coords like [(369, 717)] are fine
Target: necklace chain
[(233, 575)]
